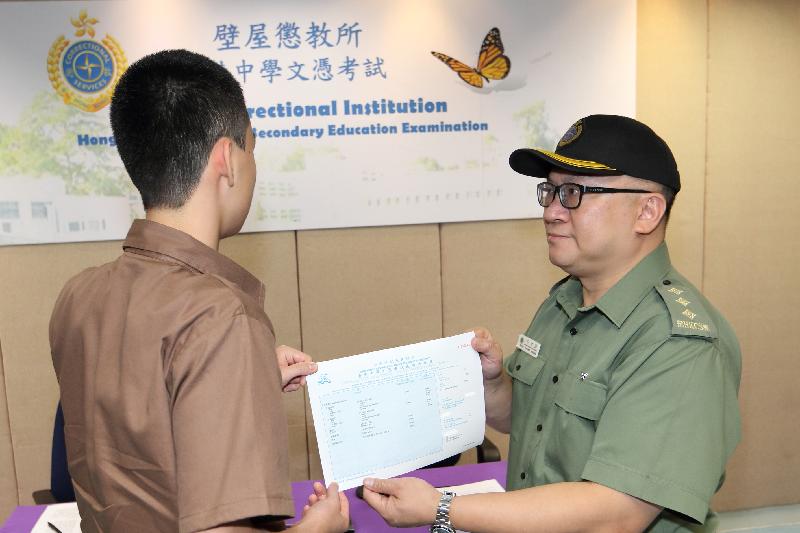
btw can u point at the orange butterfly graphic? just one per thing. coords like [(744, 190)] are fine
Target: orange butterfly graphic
[(493, 64)]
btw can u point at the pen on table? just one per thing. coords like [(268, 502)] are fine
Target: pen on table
[(53, 527)]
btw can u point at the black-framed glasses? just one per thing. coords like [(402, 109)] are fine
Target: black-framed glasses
[(571, 194)]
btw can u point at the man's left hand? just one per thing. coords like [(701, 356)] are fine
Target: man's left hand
[(295, 366), (403, 501)]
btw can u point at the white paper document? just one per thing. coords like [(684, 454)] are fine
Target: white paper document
[(385, 413), (478, 487), (64, 516)]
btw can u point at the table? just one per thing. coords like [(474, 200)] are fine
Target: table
[(364, 519)]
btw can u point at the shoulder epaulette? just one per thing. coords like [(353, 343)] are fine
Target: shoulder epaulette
[(687, 311)]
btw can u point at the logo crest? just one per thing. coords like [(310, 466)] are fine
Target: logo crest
[(572, 133), (84, 73)]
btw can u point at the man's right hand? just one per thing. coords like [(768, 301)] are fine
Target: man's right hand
[(327, 511), (490, 352), (496, 382)]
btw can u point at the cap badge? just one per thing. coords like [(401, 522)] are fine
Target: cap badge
[(572, 133)]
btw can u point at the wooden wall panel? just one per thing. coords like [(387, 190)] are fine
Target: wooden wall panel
[(365, 289), (32, 279), (495, 275), (671, 78), (751, 247), (272, 258), (8, 480)]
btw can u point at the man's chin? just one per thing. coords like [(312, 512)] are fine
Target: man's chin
[(556, 260), (559, 260)]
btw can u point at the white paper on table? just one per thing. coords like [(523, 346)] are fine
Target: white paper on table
[(64, 516), (385, 413), (478, 487)]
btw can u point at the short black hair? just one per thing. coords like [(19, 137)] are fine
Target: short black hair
[(167, 112)]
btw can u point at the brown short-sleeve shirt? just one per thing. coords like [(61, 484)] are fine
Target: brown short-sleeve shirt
[(170, 389)]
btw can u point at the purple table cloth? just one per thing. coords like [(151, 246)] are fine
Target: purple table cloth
[(364, 519)]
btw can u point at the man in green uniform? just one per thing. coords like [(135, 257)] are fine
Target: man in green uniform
[(621, 397)]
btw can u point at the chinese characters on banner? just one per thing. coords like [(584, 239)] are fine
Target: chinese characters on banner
[(289, 35)]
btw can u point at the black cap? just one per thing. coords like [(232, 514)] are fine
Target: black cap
[(604, 145)]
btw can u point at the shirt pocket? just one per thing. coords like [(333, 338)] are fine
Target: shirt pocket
[(578, 406), (581, 397), (525, 368)]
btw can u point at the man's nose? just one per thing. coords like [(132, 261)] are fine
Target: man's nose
[(555, 212)]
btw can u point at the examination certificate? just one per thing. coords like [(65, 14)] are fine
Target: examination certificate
[(385, 413)]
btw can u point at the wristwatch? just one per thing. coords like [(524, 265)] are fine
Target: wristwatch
[(442, 523)]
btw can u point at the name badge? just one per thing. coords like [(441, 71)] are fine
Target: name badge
[(528, 345)]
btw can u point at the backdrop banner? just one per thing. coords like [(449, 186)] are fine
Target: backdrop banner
[(364, 113)]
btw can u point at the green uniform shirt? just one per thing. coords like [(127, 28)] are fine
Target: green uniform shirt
[(637, 392)]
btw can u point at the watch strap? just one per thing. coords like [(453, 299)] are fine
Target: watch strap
[(442, 521)]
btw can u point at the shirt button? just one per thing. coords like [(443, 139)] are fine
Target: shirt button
[(538, 427), (667, 282), (522, 475), (518, 367), (555, 379), (573, 331)]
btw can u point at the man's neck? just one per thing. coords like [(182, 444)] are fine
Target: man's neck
[(187, 219), (594, 287)]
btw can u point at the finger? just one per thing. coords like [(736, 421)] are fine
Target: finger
[(319, 488), (374, 499), (292, 355), (487, 347), (344, 505), (482, 333), (312, 499), (290, 372), (484, 346), (294, 381), (293, 385), (333, 490), (383, 486)]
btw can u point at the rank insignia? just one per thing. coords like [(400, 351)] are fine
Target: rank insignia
[(85, 72)]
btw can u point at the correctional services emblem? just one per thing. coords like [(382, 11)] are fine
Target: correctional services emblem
[(572, 133), (84, 73)]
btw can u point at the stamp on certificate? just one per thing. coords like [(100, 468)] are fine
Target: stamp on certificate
[(528, 345)]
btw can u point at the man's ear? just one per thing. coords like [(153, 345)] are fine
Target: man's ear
[(651, 211), (220, 160)]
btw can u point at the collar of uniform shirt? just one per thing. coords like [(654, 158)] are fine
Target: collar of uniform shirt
[(148, 236), (620, 300)]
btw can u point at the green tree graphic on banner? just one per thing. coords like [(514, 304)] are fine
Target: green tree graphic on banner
[(44, 143)]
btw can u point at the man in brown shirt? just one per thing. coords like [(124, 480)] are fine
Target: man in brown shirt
[(170, 379)]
